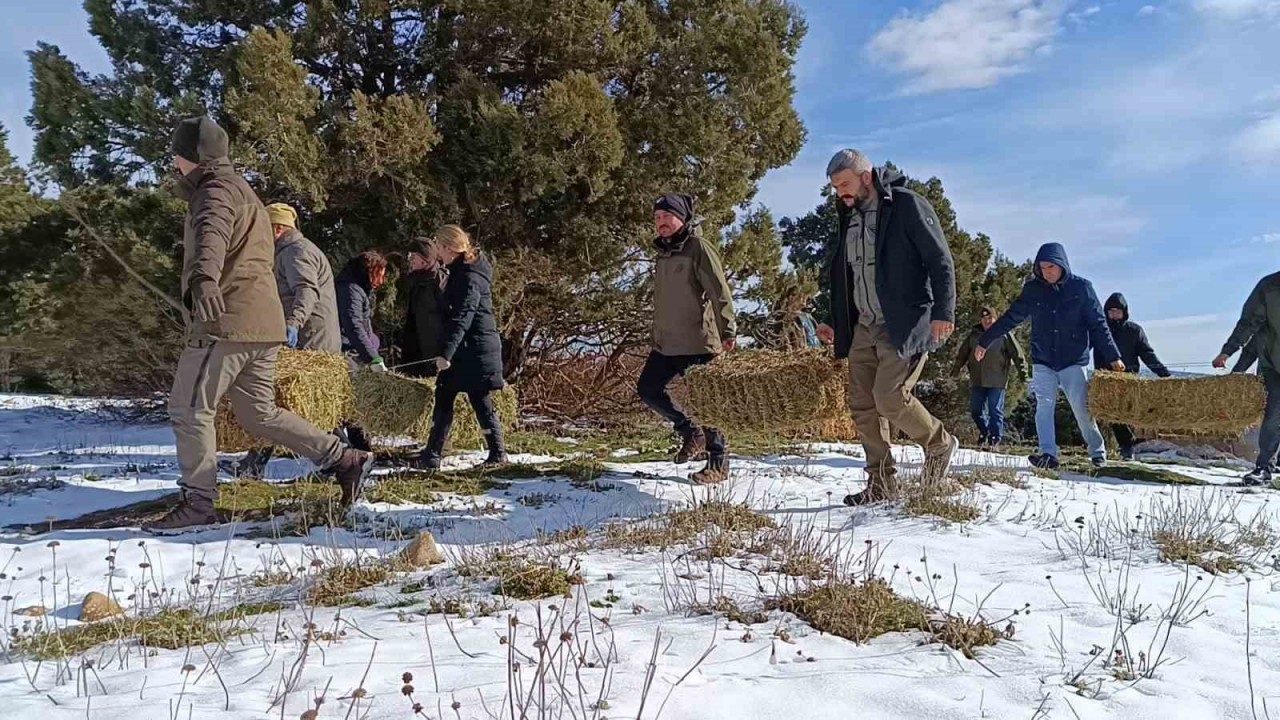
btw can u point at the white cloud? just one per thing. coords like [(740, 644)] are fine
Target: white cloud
[(1259, 143), (1239, 9), (1147, 10), (968, 44), (1265, 238)]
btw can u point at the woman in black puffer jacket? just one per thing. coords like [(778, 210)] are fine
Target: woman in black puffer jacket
[(471, 357)]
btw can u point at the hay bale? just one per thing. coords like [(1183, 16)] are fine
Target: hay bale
[(388, 404), (314, 385), (796, 393), (1213, 405)]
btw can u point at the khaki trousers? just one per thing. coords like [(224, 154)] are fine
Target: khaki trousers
[(880, 385), (245, 372)]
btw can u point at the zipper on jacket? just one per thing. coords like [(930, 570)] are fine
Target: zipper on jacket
[(200, 375)]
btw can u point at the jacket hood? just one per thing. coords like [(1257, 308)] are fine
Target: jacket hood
[(290, 237), (676, 242), (1053, 253), (886, 180), (1117, 301)]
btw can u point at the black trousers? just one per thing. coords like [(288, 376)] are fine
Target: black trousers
[(1124, 435), (659, 370), (442, 417)]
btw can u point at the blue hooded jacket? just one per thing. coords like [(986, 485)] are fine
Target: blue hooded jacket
[(1066, 318)]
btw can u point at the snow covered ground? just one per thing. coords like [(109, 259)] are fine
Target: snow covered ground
[(1063, 561)]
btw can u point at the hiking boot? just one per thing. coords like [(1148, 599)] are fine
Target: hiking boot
[(878, 490), (1098, 462), (1044, 461), (693, 448), (497, 449), (426, 460), (350, 472), (1257, 476), (188, 516), (937, 465), (1126, 454), (716, 472)]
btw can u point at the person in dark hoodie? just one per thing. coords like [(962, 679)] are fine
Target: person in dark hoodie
[(989, 377), (1131, 341), (693, 322), (1066, 320), (363, 275), (470, 359), (424, 322), (893, 301), (235, 327)]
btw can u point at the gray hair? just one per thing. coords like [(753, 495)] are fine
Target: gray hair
[(849, 159)]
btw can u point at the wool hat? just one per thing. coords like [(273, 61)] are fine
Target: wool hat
[(199, 139), (678, 204), (282, 214)]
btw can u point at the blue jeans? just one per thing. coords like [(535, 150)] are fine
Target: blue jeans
[(990, 400), (1074, 382)]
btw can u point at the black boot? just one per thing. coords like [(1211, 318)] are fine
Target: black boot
[(497, 449)]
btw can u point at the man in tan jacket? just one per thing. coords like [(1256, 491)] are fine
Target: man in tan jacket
[(693, 321), (304, 281), (234, 332)]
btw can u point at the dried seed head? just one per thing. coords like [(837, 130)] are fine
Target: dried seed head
[(309, 715), (407, 690), (566, 636), (417, 708), (53, 544), (188, 668), (456, 706), (360, 693), (407, 678)]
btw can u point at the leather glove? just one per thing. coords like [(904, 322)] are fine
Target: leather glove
[(291, 333), (206, 302), (378, 365), (441, 364)]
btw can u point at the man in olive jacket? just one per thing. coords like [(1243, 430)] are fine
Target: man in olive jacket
[(693, 321), (893, 301), (989, 377), (1259, 327), (304, 281), (234, 331)]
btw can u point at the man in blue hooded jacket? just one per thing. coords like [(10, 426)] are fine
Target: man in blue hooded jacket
[(1066, 320)]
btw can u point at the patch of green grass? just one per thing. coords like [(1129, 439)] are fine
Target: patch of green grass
[(1131, 471), (521, 577), (1205, 551), (170, 630), (730, 523), (463, 607), (945, 508), (991, 475), (335, 585), (425, 488), (856, 611), (245, 610), (309, 502)]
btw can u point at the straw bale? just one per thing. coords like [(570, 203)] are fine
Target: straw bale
[(792, 393), (388, 404), (1213, 405), (314, 385)]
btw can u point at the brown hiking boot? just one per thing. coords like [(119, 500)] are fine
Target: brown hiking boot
[(937, 465), (693, 448), (188, 516), (716, 472), (350, 472), (879, 489)]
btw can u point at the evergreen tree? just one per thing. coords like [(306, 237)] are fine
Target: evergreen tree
[(545, 127)]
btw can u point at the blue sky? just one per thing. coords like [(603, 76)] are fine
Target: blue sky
[(1143, 135)]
